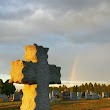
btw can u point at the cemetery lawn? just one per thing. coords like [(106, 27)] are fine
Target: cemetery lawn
[(102, 104)]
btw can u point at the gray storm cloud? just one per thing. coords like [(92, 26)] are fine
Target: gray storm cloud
[(67, 27)]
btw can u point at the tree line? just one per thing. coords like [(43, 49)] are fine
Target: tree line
[(6, 88), (97, 88)]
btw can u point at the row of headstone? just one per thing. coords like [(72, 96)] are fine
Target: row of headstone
[(66, 95), (92, 95), (89, 96), (71, 96), (12, 97)]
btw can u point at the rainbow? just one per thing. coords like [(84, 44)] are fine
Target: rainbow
[(73, 70)]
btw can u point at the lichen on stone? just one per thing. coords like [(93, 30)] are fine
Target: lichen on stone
[(16, 71), (29, 95), (30, 54)]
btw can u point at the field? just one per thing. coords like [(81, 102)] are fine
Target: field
[(102, 104)]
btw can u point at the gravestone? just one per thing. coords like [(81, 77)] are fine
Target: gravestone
[(73, 96), (36, 74), (16, 97), (50, 96), (66, 95), (79, 95), (55, 93), (2, 97), (6, 99), (87, 95), (53, 99), (94, 96), (104, 95)]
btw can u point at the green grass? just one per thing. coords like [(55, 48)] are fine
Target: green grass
[(102, 104)]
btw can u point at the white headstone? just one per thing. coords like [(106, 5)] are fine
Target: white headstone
[(79, 94), (104, 95), (50, 95)]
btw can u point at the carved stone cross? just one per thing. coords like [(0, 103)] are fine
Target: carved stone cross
[(36, 75)]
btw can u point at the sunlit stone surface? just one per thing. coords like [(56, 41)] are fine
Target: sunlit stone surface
[(29, 95), (16, 71)]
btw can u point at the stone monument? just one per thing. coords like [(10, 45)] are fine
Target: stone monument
[(36, 75)]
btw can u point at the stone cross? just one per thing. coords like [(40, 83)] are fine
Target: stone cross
[(36, 75)]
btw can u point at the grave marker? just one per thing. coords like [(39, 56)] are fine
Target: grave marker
[(35, 70)]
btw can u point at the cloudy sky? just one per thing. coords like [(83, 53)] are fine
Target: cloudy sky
[(77, 33)]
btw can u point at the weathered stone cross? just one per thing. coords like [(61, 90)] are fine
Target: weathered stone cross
[(36, 75)]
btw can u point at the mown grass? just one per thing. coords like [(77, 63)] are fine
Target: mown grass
[(102, 104)]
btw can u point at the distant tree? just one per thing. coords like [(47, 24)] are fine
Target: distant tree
[(104, 88), (79, 89), (60, 89), (8, 88), (90, 87), (82, 88), (108, 90), (1, 84), (86, 86), (71, 89), (99, 89), (76, 88), (95, 88), (63, 87)]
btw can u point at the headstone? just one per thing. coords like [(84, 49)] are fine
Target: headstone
[(50, 96), (6, 99), (87, 95), (104, 95), (66, 95), (35, 70), (3, 96), (55, 93), (99, 96), (17, 97), (79, 95), (73, 96), (94, 96), (53, 99), (83, 94), (11, 97), (91, 93)]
